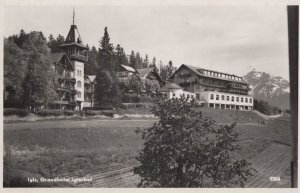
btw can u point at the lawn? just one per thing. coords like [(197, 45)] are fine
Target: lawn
[(56, 148)]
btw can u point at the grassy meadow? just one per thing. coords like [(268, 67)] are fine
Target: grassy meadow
[(58, 147)]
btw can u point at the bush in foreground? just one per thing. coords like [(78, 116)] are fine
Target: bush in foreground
[(18, 112), (185, 149)]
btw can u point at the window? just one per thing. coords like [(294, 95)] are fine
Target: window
[(228, 98), (237, 99), (79, 94), (250, 100), (246, 100), (217, 97), (223, 97), (78, 72), (242, 99), (79, 84), (211, 96), (232, 98)]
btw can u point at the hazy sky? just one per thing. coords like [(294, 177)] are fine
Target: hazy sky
[(231, 39)]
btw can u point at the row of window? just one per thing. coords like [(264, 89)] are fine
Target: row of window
[(237, 99), (222, 75)]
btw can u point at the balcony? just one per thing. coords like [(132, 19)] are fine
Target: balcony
[(235, 86), (88, 90), (66, 89), (67, 76), (79, 56)]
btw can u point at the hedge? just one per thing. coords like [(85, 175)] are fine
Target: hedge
[(52, 112), (15, 111), (98, 108), (108, 113)]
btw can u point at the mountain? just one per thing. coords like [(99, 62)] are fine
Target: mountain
[(273, 89)]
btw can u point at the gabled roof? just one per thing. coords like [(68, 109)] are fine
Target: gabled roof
[(89, 79), (128, 68), (199, 72), (143, 72), (56, 57), (170, 86), (92, 78)]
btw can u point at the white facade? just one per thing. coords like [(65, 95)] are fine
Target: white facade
[(79, 86), (225, 100), (178, 93)]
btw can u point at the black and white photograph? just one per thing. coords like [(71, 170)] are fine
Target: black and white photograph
[(153, 96)]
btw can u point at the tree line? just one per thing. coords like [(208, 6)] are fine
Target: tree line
[(28, 73), (265, 108)]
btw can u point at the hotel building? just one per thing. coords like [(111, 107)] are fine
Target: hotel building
[(214, 89)]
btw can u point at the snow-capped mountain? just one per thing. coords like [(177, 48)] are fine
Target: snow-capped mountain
[(273, 89)]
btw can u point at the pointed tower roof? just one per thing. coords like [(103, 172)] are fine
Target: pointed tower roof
[(73, 37)]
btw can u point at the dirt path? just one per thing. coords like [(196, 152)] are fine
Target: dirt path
[(266, 117)]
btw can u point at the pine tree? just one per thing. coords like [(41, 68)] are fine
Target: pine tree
[(91, 65), (120, 56), (170, 71), (139, 60), (146, 61), (132, 60), (153, 64), (106, 53), (54, 43)]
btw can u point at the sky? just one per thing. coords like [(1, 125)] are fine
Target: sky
[(230, 39)]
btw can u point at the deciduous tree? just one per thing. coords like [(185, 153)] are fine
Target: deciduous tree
[(186, 149)]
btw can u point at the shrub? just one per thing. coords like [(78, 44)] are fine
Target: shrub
[(56, 113), (98, 108), (18, 112), (108, 113), (185, 149)]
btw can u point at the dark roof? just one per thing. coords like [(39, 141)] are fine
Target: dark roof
[(144, 71), (198, 72), (55, 57), (73, 38), (170, 86)]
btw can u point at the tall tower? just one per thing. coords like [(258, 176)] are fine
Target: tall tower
[(77, 52)]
